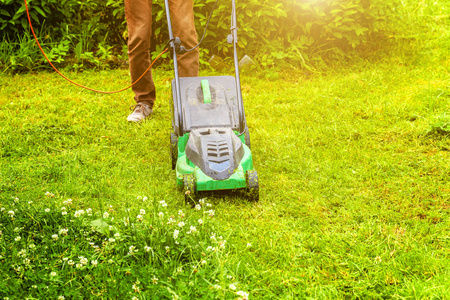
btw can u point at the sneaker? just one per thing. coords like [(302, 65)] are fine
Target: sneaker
[(141, 111)]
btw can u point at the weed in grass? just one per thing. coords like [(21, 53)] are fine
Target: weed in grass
[(59, 250)]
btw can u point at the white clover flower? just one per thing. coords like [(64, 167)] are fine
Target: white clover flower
[(29, 202), (11, 213), (63, 208), (210, 249), (171, 221), (94, 263), (70, 262), (139, 218), (105, 215), (18, 238), (22, 253), (175, 234), (64, 213), (208, 204), (181, 224), (110, 261), (83, 260), (217, 287), (161, 214), (78, 266), (136, 288), (135, 298), (48, 194), (61, 297), (167, 249), (155, 280), (65, 259), (132, 249), (249, 245), (63, 231), (200, 221), (32, 246), (203, 262), (53, 274), (2, 209), (144, 199), (198, 207), (117, 235), (163, 203), (222, 244), (201, 201), (47, 210), (210, 213), (193, 229), (142, 211), (111, 240), (243, 294), (89, 211), (147, 248), (181, 214), (79, 213), (213, 237), (55, 237)]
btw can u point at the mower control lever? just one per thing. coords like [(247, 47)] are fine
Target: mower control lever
[(178, 48), (230, 39)]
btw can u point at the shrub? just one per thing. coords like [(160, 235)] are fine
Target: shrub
[(288, 30)]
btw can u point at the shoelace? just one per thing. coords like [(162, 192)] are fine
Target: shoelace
[(139, 108)]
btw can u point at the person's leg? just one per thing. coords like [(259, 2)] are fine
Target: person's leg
[(138, 14), (182, 17)]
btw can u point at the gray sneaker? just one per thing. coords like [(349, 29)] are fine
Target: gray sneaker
[(141, 111)]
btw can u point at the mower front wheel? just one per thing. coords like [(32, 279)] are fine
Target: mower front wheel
[(252, 185), (189, 188)]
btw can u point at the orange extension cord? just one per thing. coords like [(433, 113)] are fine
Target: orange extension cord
[(77, 84)]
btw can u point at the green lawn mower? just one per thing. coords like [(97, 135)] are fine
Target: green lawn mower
[(210, 142)]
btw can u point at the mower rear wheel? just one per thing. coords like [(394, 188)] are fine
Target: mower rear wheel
[(173, 149), (252, 185), (189, 188), (247, 137)]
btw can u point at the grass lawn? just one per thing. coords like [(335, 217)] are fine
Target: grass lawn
[(353, 163)]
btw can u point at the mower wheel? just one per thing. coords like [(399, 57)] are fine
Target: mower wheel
[(252, 185), (247, 137), (189, 188), (173, 149)]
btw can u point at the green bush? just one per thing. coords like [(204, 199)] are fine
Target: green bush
[(290, 31)]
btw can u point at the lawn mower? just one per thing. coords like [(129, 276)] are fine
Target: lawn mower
[(210, 141)]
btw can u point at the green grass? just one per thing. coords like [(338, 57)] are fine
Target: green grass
[(353, 166)]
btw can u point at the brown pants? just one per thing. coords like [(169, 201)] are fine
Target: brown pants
[(139, 21)]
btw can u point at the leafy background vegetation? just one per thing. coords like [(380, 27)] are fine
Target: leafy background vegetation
[(290, 32)]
